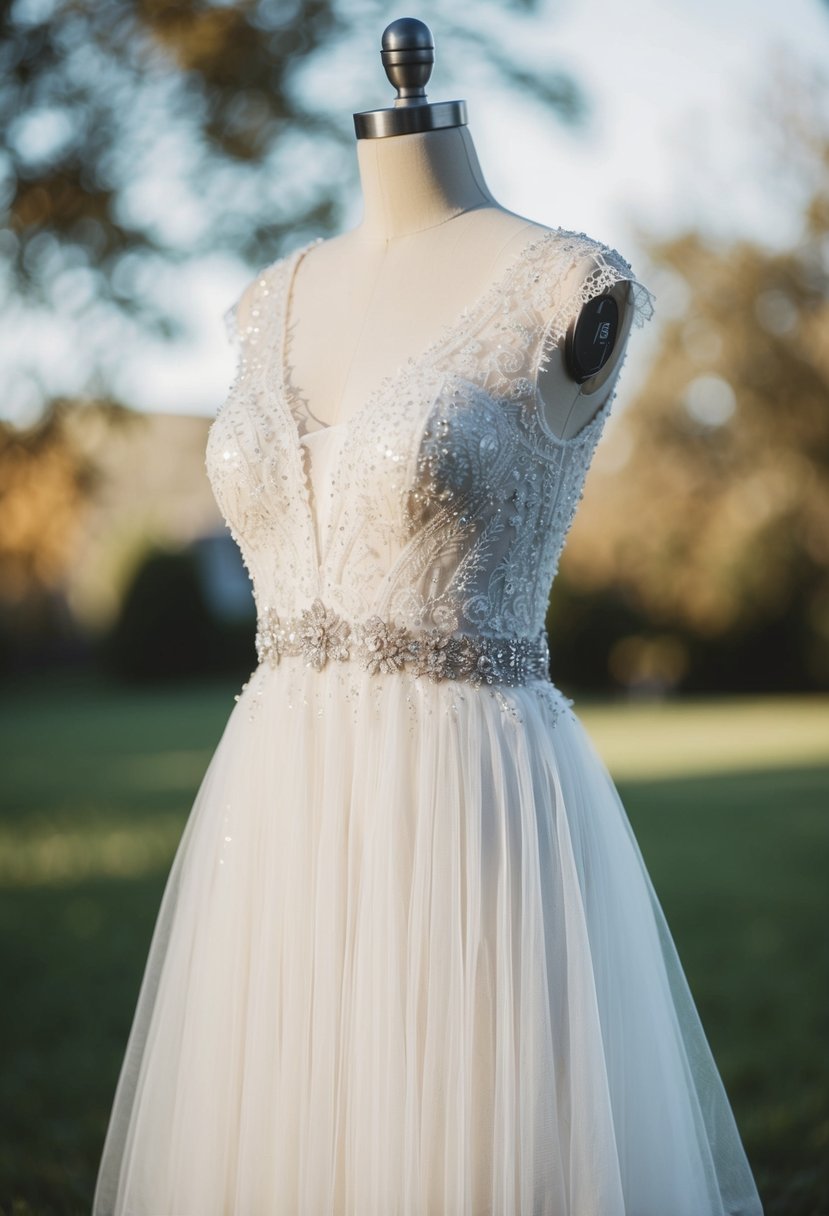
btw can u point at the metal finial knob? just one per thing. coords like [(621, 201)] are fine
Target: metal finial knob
[(408, 55)]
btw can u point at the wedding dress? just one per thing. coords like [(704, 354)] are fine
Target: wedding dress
[(409, 961)]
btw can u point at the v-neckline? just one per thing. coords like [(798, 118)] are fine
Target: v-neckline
[(471, 313), (288, 393)]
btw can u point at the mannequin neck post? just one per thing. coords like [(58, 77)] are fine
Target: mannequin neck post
[(413, 182)]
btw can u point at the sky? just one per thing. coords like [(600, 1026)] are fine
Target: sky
[(678, 136), (681, 98)]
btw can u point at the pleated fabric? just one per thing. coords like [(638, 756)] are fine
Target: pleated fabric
[(409, 962)]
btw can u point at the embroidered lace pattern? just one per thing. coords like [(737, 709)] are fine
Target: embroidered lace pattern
[(451, 497)]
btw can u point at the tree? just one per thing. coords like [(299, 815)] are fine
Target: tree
[(716, 525), (46, 480), (137, 134)]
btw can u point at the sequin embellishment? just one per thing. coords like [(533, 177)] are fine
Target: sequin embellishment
[(448, 496), (318, 634)]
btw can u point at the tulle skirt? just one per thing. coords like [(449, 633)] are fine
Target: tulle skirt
[(409, 962)]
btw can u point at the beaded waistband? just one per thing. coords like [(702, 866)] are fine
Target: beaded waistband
[(319, 635)]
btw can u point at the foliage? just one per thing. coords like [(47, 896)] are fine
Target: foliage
[(165, 628), (729, 443), (47, 477), (714, 523)]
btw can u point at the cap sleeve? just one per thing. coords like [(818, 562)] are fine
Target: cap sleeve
[(589, 268), (237, 316)]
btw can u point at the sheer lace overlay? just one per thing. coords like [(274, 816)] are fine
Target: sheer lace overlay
[(451, 497), (409, 960)]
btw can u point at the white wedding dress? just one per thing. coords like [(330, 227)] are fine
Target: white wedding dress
[(409, 961)]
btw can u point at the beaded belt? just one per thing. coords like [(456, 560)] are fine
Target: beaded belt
[(319, 634)]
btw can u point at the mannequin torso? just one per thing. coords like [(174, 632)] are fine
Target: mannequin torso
[(431, 242)]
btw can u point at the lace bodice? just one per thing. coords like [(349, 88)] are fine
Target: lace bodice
[(450, 497)]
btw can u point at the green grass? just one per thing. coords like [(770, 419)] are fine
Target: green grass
[(728, 800)]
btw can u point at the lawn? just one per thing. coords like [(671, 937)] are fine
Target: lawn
[(729, 801)]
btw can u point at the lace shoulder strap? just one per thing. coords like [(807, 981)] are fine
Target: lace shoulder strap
[(510, 340), (244, 321), (248, 321), (559, 286)]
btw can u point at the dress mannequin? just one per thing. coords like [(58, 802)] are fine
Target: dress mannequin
[(409, 959), (432, 239)]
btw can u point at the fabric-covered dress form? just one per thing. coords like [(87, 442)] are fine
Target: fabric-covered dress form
[(409, 961)]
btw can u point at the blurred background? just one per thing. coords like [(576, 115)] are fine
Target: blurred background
[(153, 156)]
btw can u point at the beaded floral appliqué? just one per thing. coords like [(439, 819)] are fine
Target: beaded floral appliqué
[(319, 635)]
